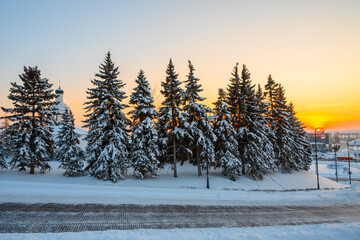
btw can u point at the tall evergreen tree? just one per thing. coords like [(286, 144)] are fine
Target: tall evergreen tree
[(253, 134), (5, 137), (32, 117), (266, 120), (202, 138), (302, 147), (270, 94), (171, 121), (226, 146), (3, 163), (144, 138), (234, 98), (68, 152), (108, 140), (284, 147), (262, 104)]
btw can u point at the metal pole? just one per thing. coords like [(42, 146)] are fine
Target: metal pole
[(336, 173), (207, 174), (316, 163), (349, 161)]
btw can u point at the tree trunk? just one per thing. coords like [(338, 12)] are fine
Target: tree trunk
[(174, 149), (32, 168), (243, 167), (198, 161)]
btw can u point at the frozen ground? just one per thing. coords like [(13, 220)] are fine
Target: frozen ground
[(187, 189), (349, 231)]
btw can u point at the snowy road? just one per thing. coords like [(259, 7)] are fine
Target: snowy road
[(26, 218)]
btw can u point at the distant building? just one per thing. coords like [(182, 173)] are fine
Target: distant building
[(343, 138), (322, 141), (354, 147), (61, 106)]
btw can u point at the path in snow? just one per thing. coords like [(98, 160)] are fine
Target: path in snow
[(26, 218)]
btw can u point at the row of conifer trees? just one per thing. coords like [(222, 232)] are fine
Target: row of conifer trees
[(248, 132)]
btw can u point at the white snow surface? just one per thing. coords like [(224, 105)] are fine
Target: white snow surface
[(347, 231), (326, 171), (187, 189)]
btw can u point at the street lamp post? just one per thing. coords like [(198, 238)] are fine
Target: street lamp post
[(349, 161), (318, 131), (336, 148)]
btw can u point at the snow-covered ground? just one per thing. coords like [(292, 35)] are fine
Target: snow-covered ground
[(326, 169), (349, 231), (187, 189)]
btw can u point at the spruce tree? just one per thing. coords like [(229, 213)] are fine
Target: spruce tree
[(5, 137), (270, 94), (302, 147), (234, 98), (170, 125), (202, 138), (253, 134), (226, 146), (144, 138), (108, 140), (284, 147), (32, 117), (262, 104), (3, 163), (68, 152)]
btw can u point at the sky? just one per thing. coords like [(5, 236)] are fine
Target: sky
[(311, 47)]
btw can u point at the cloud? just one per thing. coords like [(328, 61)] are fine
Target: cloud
[(96, 21)]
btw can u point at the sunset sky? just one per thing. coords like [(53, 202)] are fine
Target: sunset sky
[(311, 47)]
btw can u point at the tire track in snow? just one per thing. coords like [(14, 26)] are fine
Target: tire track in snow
[(41, 218)]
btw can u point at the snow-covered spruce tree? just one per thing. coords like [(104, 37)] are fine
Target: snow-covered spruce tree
[(262, 104), (264, 124), (202, 138), (255, 147), (270, 92), (234, 98), (226, 146), (32, 117), (108, 140), (3, 163), (68, 152), (302, 150), (265, 117), (5, 137), (144, 138), (171, 122), (284, 147)]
